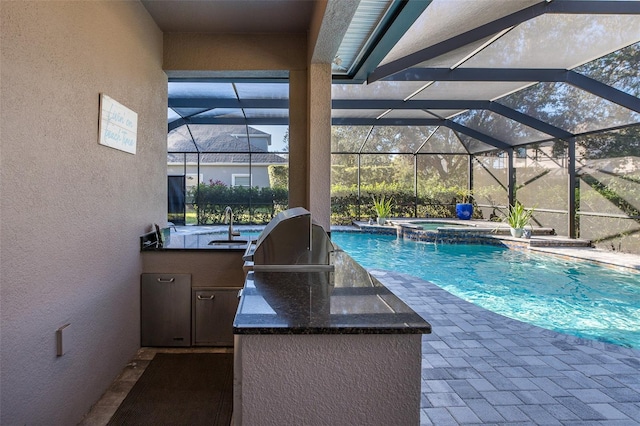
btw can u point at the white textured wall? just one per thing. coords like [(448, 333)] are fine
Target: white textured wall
[(71, 210), (333, 380)]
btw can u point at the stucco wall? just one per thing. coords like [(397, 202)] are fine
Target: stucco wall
[(330, 379), (72, 210)]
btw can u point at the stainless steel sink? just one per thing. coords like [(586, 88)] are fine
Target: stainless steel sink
[(228, 242)]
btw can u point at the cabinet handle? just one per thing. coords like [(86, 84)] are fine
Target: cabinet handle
[(163, 280), (239, 293), (206, 298)]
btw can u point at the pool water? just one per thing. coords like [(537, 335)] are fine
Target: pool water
[(573, 297)]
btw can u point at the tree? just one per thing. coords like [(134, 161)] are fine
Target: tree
[(285, 141)]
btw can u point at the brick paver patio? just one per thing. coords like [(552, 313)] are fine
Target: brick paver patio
[(479, 367)]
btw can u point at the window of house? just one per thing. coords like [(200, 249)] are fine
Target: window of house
[(241, 180)]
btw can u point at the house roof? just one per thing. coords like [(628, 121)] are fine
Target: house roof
[(221, 144)]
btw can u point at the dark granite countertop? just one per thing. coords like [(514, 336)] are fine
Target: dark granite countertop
[(347, 300), (178, 242)]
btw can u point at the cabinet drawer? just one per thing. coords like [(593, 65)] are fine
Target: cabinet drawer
[(213, 313), (165, 310)]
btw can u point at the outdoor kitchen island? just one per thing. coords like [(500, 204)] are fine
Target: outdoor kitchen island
[(325, 345)]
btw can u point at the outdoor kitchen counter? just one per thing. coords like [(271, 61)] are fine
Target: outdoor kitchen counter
[(346, 300), (192, 242), (322, 347)]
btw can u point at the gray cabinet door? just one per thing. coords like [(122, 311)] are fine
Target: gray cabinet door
[(213, 313), (165, 310)]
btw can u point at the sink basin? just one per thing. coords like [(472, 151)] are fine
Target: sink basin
[(228, 242)]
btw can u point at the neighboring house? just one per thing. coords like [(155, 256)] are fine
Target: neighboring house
[(226, 155)]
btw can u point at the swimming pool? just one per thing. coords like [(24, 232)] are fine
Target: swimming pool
[(573, 297)]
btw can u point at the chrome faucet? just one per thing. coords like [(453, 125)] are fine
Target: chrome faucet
[(228, 218)]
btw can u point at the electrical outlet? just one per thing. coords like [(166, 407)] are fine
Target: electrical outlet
[(63, 339)]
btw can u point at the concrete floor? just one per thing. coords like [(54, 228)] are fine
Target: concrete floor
[(101, 412)]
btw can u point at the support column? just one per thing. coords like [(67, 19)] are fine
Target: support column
[(358, 183), (415, 185), (319, 160), (512, 178), (298, 139), (571, 168), (470, 175)]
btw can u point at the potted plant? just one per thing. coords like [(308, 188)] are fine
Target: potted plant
[(517, 218), (464, 210), (382, 207)]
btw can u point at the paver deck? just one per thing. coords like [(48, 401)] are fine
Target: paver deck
[(481, 368)]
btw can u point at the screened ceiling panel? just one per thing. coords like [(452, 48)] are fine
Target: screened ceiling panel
[(456, 56), (468, 90), (445, 113), (396, 139), (442, 141), (619, 69), (172, 115), (499, 127), (221, 112), (357, 113), (266, 113), (348, 138), (558, 67), (558, 41), (444, 19), (569, 108), (412, 113), (188, 112), (474, 146), (204, 89), (377, 90), (262, 90), (228, 101)]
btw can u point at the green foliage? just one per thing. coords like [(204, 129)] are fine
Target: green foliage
[(279, 176), (440, 201), (344, 208), (382, 206), (257, 205), (464, 195), (518, 217)]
